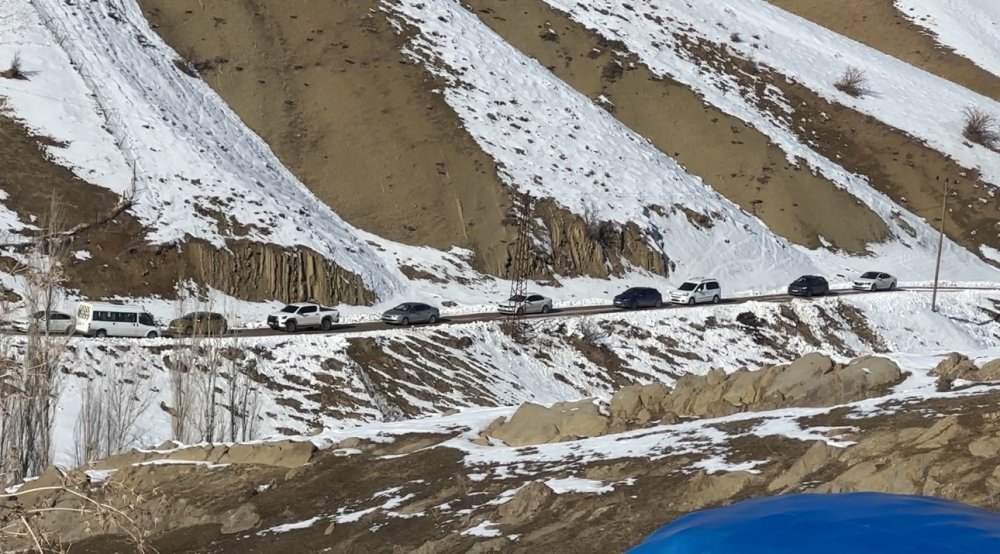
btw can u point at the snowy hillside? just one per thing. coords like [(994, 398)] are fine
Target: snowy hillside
[(105, 84), (970, 27)]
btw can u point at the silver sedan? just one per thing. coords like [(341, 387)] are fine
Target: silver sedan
[(531, 304)]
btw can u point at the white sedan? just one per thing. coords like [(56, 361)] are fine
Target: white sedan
[(874, 280), (56, 322), (531, 304)]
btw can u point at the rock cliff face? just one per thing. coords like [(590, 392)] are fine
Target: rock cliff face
[(575, 246), (254, 271)]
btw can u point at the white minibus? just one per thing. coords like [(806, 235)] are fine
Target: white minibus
[(114, 320)]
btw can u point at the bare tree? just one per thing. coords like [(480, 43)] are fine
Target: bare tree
[(27, 410), (213, 398), (981, 127), (111, 407)]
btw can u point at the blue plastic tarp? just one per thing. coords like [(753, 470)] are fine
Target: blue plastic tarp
[(856, 523)]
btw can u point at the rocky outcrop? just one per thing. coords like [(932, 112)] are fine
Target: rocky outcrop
[(255, 271), (288, 454), (579, 246), (526, 503), (813, 380), (535, 424), (957, 366)]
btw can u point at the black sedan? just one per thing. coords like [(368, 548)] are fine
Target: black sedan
[(809, 285), (639, 297)]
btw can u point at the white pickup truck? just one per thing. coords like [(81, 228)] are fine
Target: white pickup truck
[(303, 316)]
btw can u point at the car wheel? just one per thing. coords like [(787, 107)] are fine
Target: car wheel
[(188, 331), (326, 324), (546, 308), (152, 335), (715, 299), (224, 330), (873, 288), (432, 319), (809, 292), (405, 322), (691, 301), (659, 303), (892, 285), (100, 333), (290, 326), (520, 311)]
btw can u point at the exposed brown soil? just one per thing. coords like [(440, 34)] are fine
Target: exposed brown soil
[(734, 159), (880, 25), (326, 85)]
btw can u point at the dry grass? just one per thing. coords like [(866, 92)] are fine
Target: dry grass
[(853, 82)]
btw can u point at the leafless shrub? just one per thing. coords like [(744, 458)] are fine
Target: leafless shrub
[(853, 82), (735, 37), (591, 332), (981, 127), (14, 71)]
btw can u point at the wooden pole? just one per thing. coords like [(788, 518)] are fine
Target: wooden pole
[(937, 264)]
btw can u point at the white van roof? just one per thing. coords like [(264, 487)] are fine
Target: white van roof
[(112, 306)]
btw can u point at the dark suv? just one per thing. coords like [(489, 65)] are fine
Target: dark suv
[(809, 285), (639, 297)]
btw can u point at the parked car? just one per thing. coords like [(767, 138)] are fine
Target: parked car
[(409, 313), (875, 280), (697, 290), (198, 323), (809, 285), (98, 319), (55, 323), (530, 304), (303, 315), (639, 297)]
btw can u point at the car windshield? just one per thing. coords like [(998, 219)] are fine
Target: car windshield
[(517, 298), (402, 308), (631, 291), (801, 281), (870, 275), (688, 286), (289, 309)]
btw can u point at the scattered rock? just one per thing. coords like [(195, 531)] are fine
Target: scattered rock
[(526, 503), (240, 519)]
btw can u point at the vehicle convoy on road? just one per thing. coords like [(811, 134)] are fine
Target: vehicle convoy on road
[(530, 304), (198, 323), (115, 320), (304, 315), (809, 285), (873, 281), (409, 313), (696, 291), (639, 297)]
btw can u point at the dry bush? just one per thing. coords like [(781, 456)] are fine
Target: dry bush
[(852, 81), (14, 71), (981, 127)]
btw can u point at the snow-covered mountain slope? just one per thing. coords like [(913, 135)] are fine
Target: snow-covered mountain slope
[(552, 141), (101, 81), (923, 105), (970, 27), (335, 382)]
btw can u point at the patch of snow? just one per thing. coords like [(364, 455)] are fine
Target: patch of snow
[(99, 475), (286, 527), (969, 27), (486, 529), (577, 484), (82, 255)]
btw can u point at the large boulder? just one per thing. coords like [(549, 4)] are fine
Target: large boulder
[(536, 424), (955, 366), (240, 519), (526, 503)]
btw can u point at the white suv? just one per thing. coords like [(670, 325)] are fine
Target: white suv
[(696, 291)]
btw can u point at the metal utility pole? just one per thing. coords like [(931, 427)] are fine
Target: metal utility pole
[(519, 266), (937, 265)]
